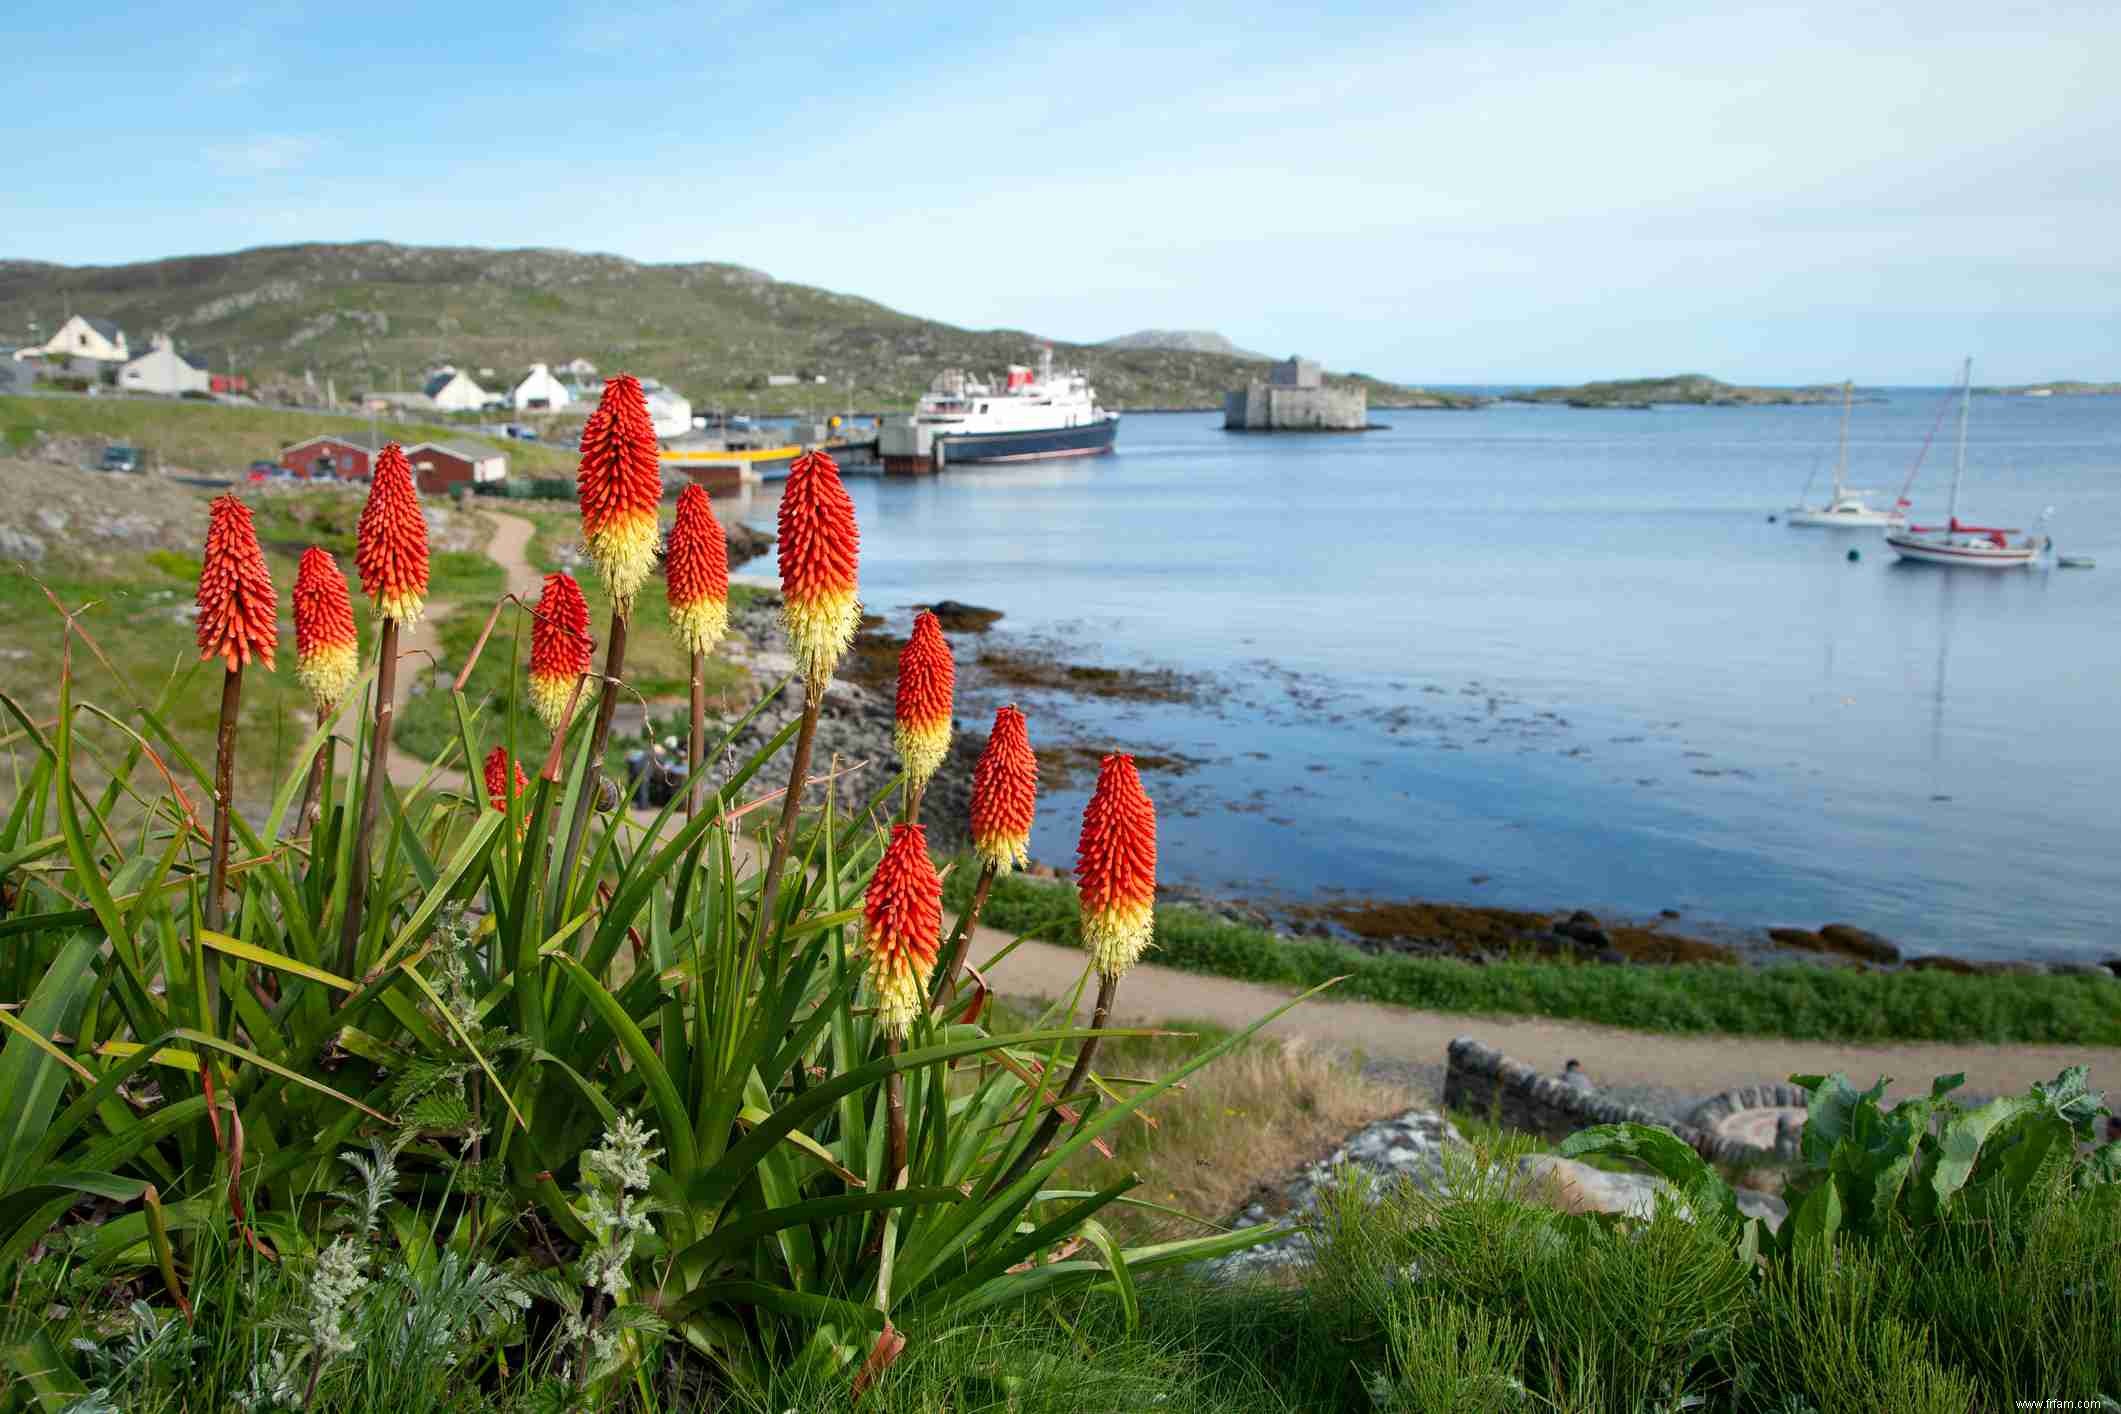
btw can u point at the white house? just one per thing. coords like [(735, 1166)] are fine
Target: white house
[(453, 391), (579, 368), (163, 370), (85, 337), (670, 414), (540, 390)]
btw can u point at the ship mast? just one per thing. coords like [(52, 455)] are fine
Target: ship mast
[(1966, 396), (1841, 467)]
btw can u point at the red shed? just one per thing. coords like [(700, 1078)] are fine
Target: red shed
[(348, 458), (438, 467)]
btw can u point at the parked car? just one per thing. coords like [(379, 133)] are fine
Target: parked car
[(270, 471), (117, 457)]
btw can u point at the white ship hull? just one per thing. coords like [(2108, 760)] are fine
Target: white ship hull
[(1961, 552), (1837, 519)]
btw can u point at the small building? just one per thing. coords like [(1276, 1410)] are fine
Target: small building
[(579, 368), (540, 391), (164, 370), (670, 413), (1294, 397), (16, 377), (438, 467), (331, 455), (84, 336), (781, 380), (454, 391)]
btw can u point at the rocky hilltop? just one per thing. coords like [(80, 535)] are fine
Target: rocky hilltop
[(374, 315), (1690, 388), (1184, 341)]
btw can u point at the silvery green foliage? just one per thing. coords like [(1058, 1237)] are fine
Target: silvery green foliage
[(624, 1155), (275, 1382), (333, 1285), (148, 1346), (377, 1171)]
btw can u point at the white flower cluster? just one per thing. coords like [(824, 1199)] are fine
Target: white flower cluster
[(624, 1155), (336, 1281)]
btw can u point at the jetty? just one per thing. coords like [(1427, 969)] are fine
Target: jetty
[(1294, 397)]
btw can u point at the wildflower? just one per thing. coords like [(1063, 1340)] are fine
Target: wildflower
[(559, 648), (1005, 793), (239, 615), (902, 924), (819, 547), (619, 486), (624, 1155), (926, 677), (327, 652), (498, 788), (696, 570), (1115, 867), (390, 542)]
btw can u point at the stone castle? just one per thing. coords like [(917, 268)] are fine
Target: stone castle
[(1295, 398)]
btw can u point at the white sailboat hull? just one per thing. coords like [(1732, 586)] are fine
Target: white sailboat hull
[(1837, 518), (1959, 553)]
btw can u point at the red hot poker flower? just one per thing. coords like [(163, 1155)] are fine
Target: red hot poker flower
[(1115, 867), (1005, 793), (819, 549), (560, 648), (902, 925), (619, 486), (499, 788), (390, 543), (927, 675), (696, 571), (327, 652), (239, 614)]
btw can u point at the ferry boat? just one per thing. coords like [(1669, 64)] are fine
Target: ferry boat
[(1033, 416)]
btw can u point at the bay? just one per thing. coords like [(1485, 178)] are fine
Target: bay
[(1567, 654)]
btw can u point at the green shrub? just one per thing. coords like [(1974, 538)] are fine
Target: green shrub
[(175, 564)]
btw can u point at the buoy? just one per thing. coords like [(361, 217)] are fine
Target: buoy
[(1854, 554), (1770, 520)]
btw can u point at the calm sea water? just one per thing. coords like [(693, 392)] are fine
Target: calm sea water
[(1547, 657)]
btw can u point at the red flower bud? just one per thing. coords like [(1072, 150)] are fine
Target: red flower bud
[(239, 614)]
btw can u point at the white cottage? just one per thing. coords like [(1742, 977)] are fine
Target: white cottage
[(85, 337), (454, 391), (670, 414), (540, 391), (163, 370)]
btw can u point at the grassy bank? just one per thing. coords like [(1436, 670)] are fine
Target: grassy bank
[(1803, 1002), (220, 440)]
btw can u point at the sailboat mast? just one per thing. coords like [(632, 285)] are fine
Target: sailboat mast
[(1841, 466), (1966, 397)]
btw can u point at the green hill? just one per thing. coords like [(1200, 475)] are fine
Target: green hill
[(1693, 388), (373, 316)]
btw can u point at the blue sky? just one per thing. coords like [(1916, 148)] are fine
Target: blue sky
[(1451, 194)]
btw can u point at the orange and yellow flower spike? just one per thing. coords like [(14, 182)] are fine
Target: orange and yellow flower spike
[(819, 551), (927, 675), (619, 487), (1005, 794), (239, 614), (696, 573), (498, 786), (327, 650), (1115, 867), (902, 926), (560, 648), (390, 542)]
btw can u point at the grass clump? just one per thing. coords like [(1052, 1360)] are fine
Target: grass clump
[(1805, 1003)]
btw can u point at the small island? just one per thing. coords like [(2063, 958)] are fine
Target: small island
[(2065, 388), (1693, 389)]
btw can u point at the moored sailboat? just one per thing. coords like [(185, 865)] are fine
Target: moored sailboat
[(1846, 508), (1957, 543)]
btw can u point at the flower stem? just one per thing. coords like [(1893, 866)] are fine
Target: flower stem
[(371, 792), (313, 790), (791, 803), (600, 733), (224, 792), (1107, 989), (895, 1117), (696, 743), (961, 938)]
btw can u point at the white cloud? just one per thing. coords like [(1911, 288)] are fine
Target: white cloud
[(259, 155)]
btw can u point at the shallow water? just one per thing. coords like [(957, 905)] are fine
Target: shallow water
[(1565, 653)]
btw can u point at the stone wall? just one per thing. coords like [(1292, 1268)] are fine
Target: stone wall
[(1483, 1080), (1268, 407)]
